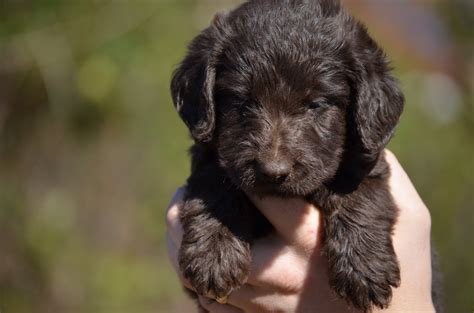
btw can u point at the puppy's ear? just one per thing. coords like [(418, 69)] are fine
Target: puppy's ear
[(192, 85), (377, 98)]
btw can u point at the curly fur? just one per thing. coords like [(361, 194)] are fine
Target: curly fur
[(289, 98)]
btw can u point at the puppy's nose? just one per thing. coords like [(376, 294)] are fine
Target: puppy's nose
[(274, 169)]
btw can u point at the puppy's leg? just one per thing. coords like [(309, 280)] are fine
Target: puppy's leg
[(218, 225), (363, 266)]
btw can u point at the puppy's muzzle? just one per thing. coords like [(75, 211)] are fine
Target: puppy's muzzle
[(276, 170)]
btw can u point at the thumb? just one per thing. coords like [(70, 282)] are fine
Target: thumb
[(297, 221)]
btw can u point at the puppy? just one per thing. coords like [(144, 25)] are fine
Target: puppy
[(289, 98)]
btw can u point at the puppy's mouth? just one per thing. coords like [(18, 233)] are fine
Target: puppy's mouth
[(281, 184), (271, 189), (248, 177), (295, 184)]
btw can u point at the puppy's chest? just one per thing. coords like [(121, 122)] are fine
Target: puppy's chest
[(371, 193)]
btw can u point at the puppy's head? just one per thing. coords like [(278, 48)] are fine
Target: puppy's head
[(289, 95)]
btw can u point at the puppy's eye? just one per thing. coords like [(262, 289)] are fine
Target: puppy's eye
[(317, 104)]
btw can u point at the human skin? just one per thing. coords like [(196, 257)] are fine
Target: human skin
[(289, 273)]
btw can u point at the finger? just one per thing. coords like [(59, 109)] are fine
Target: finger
[(173, 255), (255, 299), (272, 260), (280, 267), (173, 223), (411, 238), (214, 307), (297, 221)]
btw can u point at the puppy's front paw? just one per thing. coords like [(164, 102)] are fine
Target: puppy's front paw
[(366, 278), (215, 264), (367, 289)]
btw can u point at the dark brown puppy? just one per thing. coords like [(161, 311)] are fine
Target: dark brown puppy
[(289, 98)]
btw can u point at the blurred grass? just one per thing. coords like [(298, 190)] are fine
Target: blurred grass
[(91, 151)]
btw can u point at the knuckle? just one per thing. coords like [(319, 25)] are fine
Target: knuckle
[(172, 215), (389, 154), (420, 217), (423, 217), (205, 302), (288, 281), (308, 244), (390, 157), (280, 303)]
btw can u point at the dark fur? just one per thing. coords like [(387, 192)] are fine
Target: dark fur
[(289, 98)]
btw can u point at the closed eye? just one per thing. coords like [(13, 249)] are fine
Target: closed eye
[(318, 103)]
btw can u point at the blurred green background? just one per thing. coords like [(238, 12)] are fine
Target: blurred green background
[(91, 149)]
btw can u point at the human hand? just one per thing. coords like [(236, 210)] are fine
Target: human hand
[(288, 272)]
